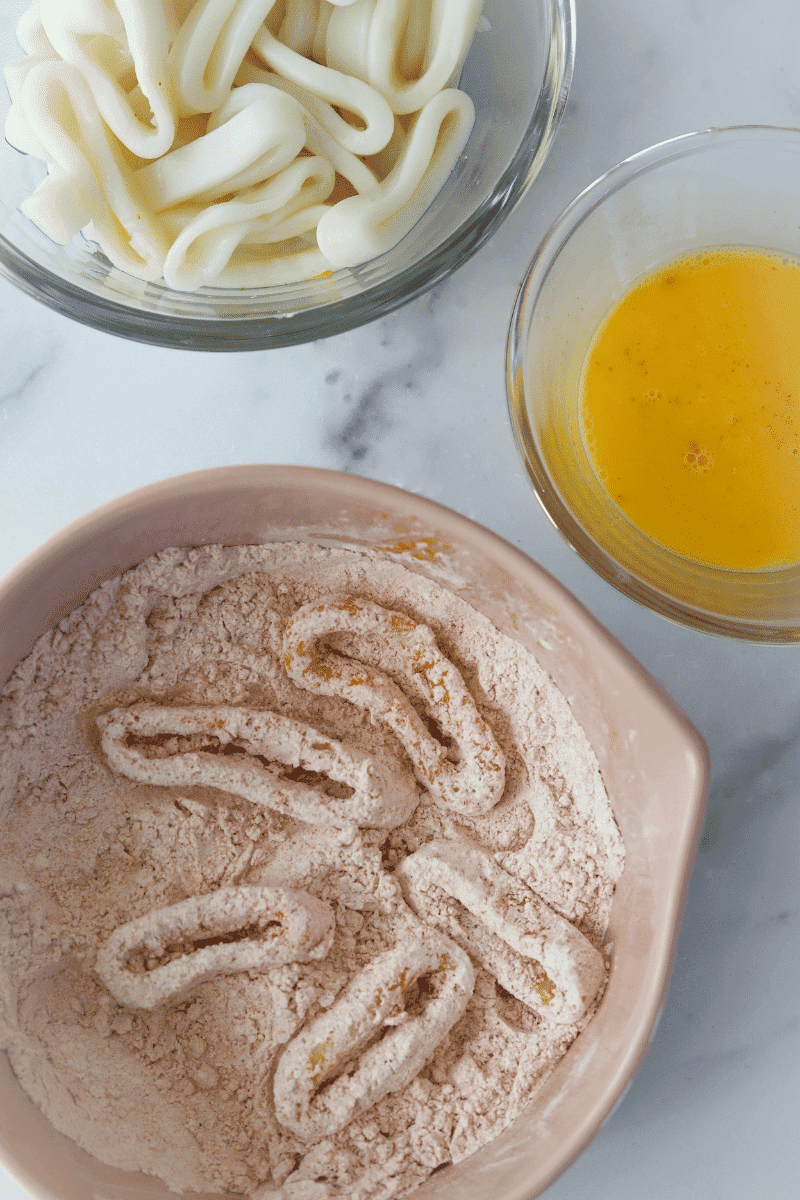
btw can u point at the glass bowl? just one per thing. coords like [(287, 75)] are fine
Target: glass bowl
[(737, 187), (518, 74), (653, 762)]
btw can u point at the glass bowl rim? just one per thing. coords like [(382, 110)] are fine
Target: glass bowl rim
[(704, 620), (264, 331)]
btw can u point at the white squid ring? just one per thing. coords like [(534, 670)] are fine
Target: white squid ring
[(450, 32), (319, 118), (299, 25), (209, 49), (347, 38), (140, 28), (337, 89), (362, 227), (209, 249), (88, 179), (251, 137)]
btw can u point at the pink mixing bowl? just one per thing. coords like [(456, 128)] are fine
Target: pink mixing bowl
[(654, 764)]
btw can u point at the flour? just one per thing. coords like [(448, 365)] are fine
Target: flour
[(186, 1090)]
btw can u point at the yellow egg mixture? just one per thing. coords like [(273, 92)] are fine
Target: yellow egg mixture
[(691, 407)]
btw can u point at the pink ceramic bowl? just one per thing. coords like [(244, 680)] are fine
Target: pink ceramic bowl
[(654, 763)]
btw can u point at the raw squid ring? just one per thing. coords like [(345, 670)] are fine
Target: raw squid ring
[(382, 797), (336, 89), (450, 32), (88, 179), (362, 227), (251, 137), (121, 53), (318, 138), (537, 955), (31, 35), (209, 48), (313, 1097), (283, 926), (18, 131), (140, 31), (299, 25), (476, 782), (347, 37), (209, 249), (321, 32)]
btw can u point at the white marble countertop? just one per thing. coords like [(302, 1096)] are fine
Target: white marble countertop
[(418, 400)]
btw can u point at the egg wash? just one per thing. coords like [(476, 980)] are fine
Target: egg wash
[(690, 407)]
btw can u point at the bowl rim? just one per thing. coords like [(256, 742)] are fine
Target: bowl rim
[(257, 477), (705, 620), (339, 315), (58, 553)]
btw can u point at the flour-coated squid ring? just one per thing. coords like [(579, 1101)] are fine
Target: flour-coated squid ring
[(337, 90), (223, 933), (536, 954), (472, 784), (129, 737), (313, 1096), (88, 181), (250, 138), (362, 227), (82, 32), (211, 249)]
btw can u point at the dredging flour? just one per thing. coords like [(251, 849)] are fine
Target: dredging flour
[(305, 874)]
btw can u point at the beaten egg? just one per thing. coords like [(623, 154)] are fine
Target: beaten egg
[(690, 407)]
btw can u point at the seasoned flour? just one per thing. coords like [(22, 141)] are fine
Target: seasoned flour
[(186, 1089)]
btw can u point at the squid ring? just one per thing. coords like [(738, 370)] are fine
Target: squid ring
[(139, 28), (537, 955), (472, 785), (230, 930), (88, 178), (381, 797), (359, 228), (299, 25), (209, 48), (205, 251), (343, 91), (251, 137), (314, 1097), (319, 119), (452, 26)]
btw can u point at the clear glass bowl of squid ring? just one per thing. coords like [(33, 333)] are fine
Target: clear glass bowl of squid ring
[(517, 73)]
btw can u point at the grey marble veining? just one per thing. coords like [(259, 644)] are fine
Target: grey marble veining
[(417, 399)]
